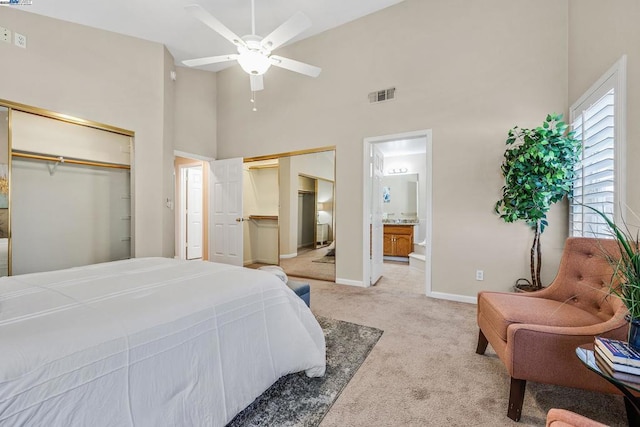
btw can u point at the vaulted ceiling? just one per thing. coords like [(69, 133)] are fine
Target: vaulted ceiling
[(167, 21)]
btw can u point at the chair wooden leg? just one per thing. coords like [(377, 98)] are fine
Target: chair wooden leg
[(516, 398), (482, 343)]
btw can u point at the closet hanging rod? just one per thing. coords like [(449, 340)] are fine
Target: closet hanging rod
[(62, 159)]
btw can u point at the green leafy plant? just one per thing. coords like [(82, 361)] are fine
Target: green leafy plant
[(538, 168), (625, 282)]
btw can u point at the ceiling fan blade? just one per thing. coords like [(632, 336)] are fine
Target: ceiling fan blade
[(257, 82), (209, 60), (217, 26), (296, 66), (285, 32)]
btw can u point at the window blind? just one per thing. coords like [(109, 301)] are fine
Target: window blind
[(594, 184)]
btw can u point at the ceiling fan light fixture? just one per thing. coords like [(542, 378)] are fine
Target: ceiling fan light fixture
[(253, 62)]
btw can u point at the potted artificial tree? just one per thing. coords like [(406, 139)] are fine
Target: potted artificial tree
[(538, 168)]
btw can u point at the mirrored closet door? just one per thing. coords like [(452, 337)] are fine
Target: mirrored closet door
[(4, 191), (65, 191)]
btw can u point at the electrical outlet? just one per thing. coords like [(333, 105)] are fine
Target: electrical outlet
[(5, 35), (20, 40), (479, 275)]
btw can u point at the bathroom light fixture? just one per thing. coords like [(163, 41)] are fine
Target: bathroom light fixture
[(397, 170)]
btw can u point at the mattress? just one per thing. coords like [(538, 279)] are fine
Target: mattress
[(148, 342)]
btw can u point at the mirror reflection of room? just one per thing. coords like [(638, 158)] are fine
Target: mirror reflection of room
[(307, 245), (289, 214)]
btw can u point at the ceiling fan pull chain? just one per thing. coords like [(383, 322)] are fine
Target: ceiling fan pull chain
[(253, 101)]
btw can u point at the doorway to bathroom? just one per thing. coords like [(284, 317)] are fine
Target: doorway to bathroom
[(397, 211)]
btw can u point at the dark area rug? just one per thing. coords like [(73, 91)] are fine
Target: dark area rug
[(295, 399)]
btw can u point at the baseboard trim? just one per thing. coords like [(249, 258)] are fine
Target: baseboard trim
[(414, 255), (287, 256), (350, 282), (453, 297), (396, 258)]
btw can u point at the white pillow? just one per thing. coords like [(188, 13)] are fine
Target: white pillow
[(275, 270)]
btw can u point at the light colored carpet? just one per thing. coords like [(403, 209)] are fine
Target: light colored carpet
[(303, 265), (424, 370)]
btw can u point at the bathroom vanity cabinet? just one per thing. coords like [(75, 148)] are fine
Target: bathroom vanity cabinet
[(398, 240)]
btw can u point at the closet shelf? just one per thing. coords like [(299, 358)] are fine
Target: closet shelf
[(61, 159), (264, 217)]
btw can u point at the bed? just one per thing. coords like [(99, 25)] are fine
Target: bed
[(148, 342)]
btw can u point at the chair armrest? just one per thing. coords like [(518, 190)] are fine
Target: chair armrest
[(515, 332), (545, 353)]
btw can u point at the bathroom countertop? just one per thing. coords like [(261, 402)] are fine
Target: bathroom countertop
[(400, 221)]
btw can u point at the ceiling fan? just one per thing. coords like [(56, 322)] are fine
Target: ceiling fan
[(254, 52)]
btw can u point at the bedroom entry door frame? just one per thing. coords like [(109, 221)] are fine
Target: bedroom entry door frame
[(184, 231), (371, 259)]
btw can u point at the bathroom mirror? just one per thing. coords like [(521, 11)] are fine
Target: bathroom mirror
[(400, 197)]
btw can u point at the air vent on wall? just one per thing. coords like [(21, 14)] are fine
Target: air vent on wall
[(382, 95)]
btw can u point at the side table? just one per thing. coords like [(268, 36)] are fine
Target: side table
[(631, 400)]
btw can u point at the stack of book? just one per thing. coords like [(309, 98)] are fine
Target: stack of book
[(617, 359)]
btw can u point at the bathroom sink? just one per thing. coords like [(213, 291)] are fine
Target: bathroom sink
[(400, 221)]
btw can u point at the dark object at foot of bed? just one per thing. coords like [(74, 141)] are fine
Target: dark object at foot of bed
[(302, 289)]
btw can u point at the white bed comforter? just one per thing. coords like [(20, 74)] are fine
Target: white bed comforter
[(148, 342)]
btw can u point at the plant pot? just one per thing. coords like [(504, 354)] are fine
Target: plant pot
[(634, 333), (523, 285)]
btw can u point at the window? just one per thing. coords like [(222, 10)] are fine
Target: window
[(598, 121)]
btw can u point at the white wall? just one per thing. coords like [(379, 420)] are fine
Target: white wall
[(467, 70)]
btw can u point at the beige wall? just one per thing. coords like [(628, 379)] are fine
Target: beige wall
[(4, 136), (168, 182), (195, 112), (599, 34), (113, 79), (467, 70)]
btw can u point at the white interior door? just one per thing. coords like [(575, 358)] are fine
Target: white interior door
[(194, 212), (225, 231), (377, 229)]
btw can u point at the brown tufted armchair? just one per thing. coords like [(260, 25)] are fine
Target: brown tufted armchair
[(535, 334), (564, 418)]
